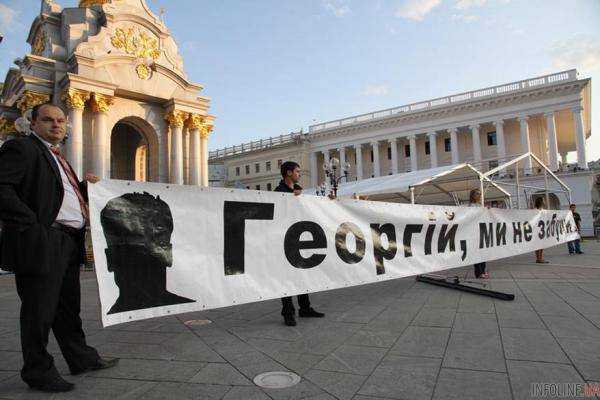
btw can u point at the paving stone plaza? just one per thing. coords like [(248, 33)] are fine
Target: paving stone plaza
[(393, 340)]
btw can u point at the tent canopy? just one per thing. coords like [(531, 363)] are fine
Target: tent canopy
[(450, 184)]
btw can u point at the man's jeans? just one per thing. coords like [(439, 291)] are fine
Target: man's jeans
[(574, 246)]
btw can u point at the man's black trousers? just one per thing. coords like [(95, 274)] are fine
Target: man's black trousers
[(52, 301), (288, 304), (479, 269)]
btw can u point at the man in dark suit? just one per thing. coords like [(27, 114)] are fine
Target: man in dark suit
[(290, 174), (44, 210)]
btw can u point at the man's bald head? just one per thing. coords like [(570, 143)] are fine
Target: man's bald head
[(48, 121)]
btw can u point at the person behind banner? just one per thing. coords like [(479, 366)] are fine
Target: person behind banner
[(479, 268), (574, 246), (539, 254), (290, 173), (43, 207)]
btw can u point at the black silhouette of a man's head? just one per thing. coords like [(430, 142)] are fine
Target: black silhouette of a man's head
[(138, 228)]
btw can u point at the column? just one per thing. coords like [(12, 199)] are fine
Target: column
[(205, 131), (394, 147), (185, 146), (376, 166), (501, 143), (552, 143), (414, 164), (163, 155), (342, 151), (326, 160), (433, 156), (476, 145), (314, 171), (176, 120), (100, 106), (525, 142), (75, 102), (359, 169), (579, 138), (563, 159), (194, 124), (454, 145)]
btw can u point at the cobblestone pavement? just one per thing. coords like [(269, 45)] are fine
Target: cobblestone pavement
[(393, 340)]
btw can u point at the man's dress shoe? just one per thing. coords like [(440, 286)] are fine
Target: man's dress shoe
[(100, 364), (310, 313), (58, 385)]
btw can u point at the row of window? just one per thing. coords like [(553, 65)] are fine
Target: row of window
[(269, 187), (257, 168), (491, 141)]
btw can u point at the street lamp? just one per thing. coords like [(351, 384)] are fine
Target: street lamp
[(335, 173)]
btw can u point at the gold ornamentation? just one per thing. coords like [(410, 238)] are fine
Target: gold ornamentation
[(31, 99), (195, 121), (39, 43), (75, 99), (176, 118), (143, 71), (89, 3), (101, 102), (136, 43), (6, 127), (139, 44), (205, 130)]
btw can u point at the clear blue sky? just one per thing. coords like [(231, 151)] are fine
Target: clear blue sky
[(273, 66)]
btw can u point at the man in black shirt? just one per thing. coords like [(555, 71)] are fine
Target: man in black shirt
[(290, 173), (574, 246)]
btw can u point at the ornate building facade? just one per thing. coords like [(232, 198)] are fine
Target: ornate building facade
[(547, 115), (116, 70)]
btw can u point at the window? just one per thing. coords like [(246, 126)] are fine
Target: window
[(257, 187), (257, 168), (372, 157), (491, 138), (279, 162), (427, 150), (269, 187), (248, 171), (237, 171), (447, 145), (390, 153), (268, 167), (407, 150)]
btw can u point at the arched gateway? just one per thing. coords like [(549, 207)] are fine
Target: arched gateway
[(113, 65)]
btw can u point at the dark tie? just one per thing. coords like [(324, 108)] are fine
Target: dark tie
[(73, 180)]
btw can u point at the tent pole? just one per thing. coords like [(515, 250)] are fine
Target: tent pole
[(546, 189), (481, 191), (517, 181)]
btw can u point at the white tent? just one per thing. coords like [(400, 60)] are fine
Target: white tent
[(450, 184)]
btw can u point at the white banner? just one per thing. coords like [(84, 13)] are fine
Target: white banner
[(162, 249)]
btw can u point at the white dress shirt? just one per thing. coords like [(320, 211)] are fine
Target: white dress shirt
[(70, 213)]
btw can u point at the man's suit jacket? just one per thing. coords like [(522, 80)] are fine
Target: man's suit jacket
[(31, 194)]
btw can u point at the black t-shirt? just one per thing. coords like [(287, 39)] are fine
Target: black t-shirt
[(577, 219), (282, 187)]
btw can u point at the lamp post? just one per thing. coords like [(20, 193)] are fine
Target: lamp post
[(334, 172)]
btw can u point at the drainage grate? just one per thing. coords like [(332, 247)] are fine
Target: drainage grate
[(196, 322), (276, 380)]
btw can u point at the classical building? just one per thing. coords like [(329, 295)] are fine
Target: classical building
[(115, 68), (547, 115)]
